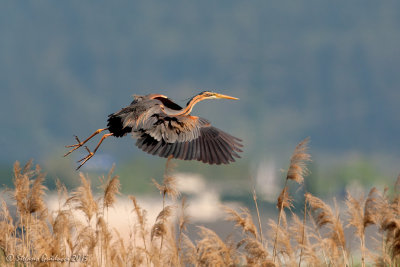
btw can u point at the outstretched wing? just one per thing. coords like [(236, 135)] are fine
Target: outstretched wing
[(182, 136), (188, 138)]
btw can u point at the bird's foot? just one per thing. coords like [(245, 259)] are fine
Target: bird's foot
[(76, 146), (85, 159)]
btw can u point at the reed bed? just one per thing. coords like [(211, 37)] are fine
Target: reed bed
[(34, 236)]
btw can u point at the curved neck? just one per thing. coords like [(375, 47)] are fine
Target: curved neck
[(184, 111)]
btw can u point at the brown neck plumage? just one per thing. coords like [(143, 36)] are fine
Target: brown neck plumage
[(184, 111)]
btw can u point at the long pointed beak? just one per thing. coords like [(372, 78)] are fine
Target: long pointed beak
[(226, 96)]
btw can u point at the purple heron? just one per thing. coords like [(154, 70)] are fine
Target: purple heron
[(165, 129)]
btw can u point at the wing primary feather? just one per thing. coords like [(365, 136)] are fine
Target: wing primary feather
[(223, 150), (231, 139), (171, 151), (162, 151), (180, 150), (145, 144), (208, 151), (173, 148), (139, 142), (207, 155), (227, 149), (212, 152), (154, 150), (203, 153), (198, 152), (233, 145), (184, 150), (165, 152), (219, 151), (221, 154), (151, 143), (177, 150), (188, 155)]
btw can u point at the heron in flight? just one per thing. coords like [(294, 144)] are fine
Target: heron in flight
[(165, 129)]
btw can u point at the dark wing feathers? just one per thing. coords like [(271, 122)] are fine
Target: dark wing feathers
[(168, 103), (212, 146), (182, 136)]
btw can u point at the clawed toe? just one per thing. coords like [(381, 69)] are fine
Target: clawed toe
[(83, 160), (76, 146), (80, 144)]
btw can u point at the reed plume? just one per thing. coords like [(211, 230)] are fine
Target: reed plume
[(320, 241), (296, 172), (169, 186), (242, 220), (111, 188), (362, 213), (212, 251), (83, 199), (324, 216)]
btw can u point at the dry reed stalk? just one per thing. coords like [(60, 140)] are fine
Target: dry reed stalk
[(383, 211), (86, 242), (397, 184), (356, 219), (21, 191), (258, 212), (6, 227), (362, 213), (21, 185), (141, 218), (324, 216), (36, 194), (256, 254), (183, 221), (63, 227), (390, 223), (170, 256), (189, 255), (284, 201), (62, 193), (43, 239), (33, 232), (82, 199), (212, 251), (308, 251), (110, 187), (303, 232), (242, 220), (283, 245), (160, 229), (168, 188), (118, 253), (28, 194), (296, 172), (104, 235), (298, 162)]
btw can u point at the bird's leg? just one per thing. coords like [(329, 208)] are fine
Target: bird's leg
[(90, 155), (79, 144)]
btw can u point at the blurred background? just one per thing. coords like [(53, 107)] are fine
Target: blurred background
[(327, 70)]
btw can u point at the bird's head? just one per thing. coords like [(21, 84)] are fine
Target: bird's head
[(212, 95)]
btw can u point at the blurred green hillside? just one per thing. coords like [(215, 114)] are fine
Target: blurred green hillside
[(328, 70)]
